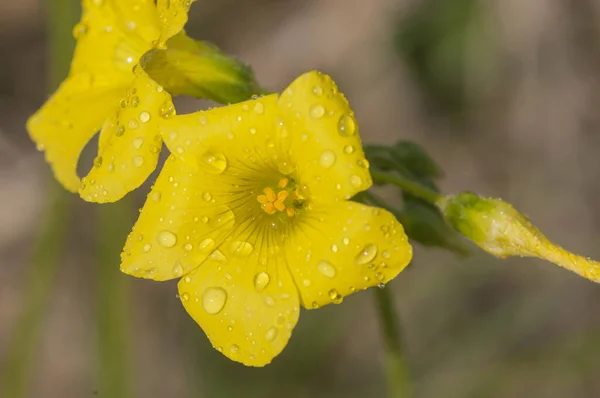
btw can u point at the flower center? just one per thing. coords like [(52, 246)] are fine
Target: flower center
[(286, 200)]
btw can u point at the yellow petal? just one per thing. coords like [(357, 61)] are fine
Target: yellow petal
[(173, 15), (186, 216), (245, 131), (112, 36), (67, 121), (129, 142), (339, 249), (246, 304), (324, 143)]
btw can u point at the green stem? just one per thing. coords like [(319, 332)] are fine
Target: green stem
[(112, 295), (408, 186), (397, 370), (50, 242)]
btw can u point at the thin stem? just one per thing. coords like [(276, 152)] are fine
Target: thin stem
[(397, 369), (112, 295), (408, 186), (50, 242)]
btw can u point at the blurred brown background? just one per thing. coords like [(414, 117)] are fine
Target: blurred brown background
[(503, 93)]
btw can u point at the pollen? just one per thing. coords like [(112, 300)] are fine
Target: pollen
[(272, 202)]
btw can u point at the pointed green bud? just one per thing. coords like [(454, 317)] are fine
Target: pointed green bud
[(199, 69), (499, 229)]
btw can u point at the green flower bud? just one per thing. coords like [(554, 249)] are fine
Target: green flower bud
[(199, 69), (499, 229)]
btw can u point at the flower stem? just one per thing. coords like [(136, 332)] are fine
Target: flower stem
[(409, 186), (398, 378)]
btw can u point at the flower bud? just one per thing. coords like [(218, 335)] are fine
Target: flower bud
[(499, 229), (199, 69)]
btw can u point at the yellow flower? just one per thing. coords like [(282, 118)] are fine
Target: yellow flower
[(101, 92), (252, 211)]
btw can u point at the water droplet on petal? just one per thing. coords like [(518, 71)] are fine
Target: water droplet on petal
[(138, 161), (188, 247), (317, 90), (234, 349), (185, 297), (261, 280), (269, 301), (215, 162), (326, 269), (98, 161), (259, 108), (317, 111), (155, 196), (366, 255), (271, 334), (346, 126), (207, 245), (363, 163), (167, 238), (213, 300), (207, 196), (138, 142), (356, 181), (242, 249), (147, 247), (349, 149), (335, 296), (218, 257), (334, 248), (327, 159), (144, 117), (177, 270)]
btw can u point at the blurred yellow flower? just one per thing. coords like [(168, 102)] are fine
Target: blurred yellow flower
[(252, 211), (101, 92)]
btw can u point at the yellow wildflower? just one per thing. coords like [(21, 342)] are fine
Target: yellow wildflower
[(251, 210), (101, 92)]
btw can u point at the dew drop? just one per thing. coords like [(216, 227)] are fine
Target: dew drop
[(271, 334), (317, 90), (363, 163), (204, 219), (177, 270), (346, 126), (167, 238), (327, 159), (207, 196), (366, 255), (185, 297), (155, 196), (218, 257), (261, 280), (356, 181), (133, 124), (326, 269), (259, 108), (138, 142), (138, 161), (207, 245), (317, 111), (349, 149), (98, 161), (334, 248), (147, 247), (335, 296), (144, 117), (215, 162), (234, 349), (110, 167), (188, 247), (269, 301), (213, 300), (242, 249)]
